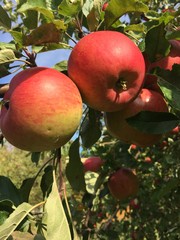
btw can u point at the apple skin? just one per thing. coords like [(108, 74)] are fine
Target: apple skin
[(105, 5), (123, 183), (172, 58), (108, 68), (44, 111), (118, 127), (93, 164)]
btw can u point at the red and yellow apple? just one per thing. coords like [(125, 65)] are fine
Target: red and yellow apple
[(42, 110), (123, 183), (118, 127), (108, 68), (93, 164)]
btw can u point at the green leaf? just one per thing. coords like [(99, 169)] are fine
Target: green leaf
[(31, 20), (54, 216), (118, 8), (90, 130), (91, 178), (172, 76), (3, 216), (7, 56), (61, 66), (166, 189), (75, 169), (47, 180), (37, 5), (5, 20), (153, 122), (171, 93), (25, 188), (35, 157), (173, 35), (157, 46), (70, 8), (15, 219), (8, 191), (18, 38)]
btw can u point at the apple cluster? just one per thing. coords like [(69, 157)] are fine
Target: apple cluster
[(42, 108)]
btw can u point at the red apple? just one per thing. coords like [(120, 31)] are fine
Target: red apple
[(118, 127), (44, 110), (134, 203), (93, 164), (108, 68), (105, 6), (175, 130), (172, 58), (123, 183), (148, 160)]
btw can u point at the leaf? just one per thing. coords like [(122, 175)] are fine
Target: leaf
[(18, 38), (7, 56), (91, 178), (117, 8), (92, 11), (15, 219), (153, 122), (37, 5), (3, 216), (172, 76), (69, 8), (47, 180), (165, 189), (171, 93), (90, 130), (173, 35), (61, 66), (157, 46), (54, 216), (8, 191), (31, 20), (46, 33), (35, 157), (25, 188), (5, 20), (75, 169)]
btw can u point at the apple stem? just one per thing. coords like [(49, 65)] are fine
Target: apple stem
[(121, 84), (5, 103)]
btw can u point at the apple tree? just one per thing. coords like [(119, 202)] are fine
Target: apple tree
[(102, 124)]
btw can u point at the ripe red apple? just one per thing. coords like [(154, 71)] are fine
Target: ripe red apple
[(123, 183), (148, 160), (108, 68), (44, 110), (93, 164), (134, 203), (172, 58), (105, 6), (118, 127)]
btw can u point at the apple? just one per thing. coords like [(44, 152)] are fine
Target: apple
[(118, 127), (148, 160), (172, 58), (93, 164), (175, 130), (123, 183), (108, 68), (42, 109), (134, 203), (105, 6)]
